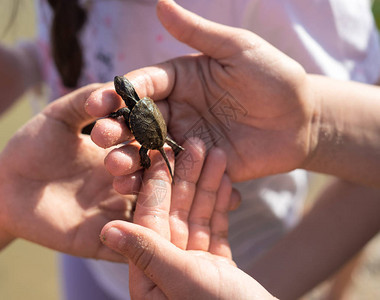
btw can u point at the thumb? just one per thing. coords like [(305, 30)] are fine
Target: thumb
[(213, 39), (150, 252), (70, 109)]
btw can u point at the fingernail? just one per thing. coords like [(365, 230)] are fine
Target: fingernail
[(114, 238)]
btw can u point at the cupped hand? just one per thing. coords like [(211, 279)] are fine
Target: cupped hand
[(241, 94), (55, 190), (176, 273), (178, 245)]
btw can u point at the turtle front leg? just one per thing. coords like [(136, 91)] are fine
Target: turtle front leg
[(176, 148), (121, 112), (144, 158), (124, 111)]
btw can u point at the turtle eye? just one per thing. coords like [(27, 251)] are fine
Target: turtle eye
[(126, 90)]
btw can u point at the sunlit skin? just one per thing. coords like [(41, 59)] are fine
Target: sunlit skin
[(177, 246), (55, 190), (189, 87), (289, 119), (293, 120)]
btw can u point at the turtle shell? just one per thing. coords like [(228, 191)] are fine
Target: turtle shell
[(147, 124)]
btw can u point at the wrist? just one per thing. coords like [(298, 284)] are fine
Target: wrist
[(323, 128), (345, 135), (313, 101)]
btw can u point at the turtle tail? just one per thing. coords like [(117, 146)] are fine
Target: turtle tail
[(162, 151)]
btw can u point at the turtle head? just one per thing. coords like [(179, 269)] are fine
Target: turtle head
[(126, 91)]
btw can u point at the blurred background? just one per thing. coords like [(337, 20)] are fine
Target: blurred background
[(28, 271)]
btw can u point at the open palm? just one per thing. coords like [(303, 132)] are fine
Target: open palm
[(242, 95), (57, 192), (177, 246)]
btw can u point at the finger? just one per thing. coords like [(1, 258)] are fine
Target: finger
[(153, 204), (119, 207), (70, 109), (210, 38), (174, 272), (155, 82), (204, 201), (152, 208), (107, 132), (123, 160), (128, 184), (110, 132), (151, 254), (219, 222), (187, 171), (102, 101)]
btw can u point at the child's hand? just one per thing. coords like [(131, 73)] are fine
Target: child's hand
[(242, 95), (193, 215), (54, 188)]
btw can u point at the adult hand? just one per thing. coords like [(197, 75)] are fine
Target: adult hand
[(54, 188), (193, 215), (242, 95)]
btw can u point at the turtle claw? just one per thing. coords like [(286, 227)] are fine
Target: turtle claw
[(144, 158)]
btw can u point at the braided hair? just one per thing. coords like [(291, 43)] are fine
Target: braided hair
[(69, 18)]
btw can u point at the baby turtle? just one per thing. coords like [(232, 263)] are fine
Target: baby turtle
[(145, 121)]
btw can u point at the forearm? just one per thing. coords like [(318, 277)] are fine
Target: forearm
[(347, 119), (19, 70), (341, 223)]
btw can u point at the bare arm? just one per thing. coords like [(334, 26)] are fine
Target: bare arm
[(347, 137), (292, 120), (19, 71), (344, 219), (346, 215)]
